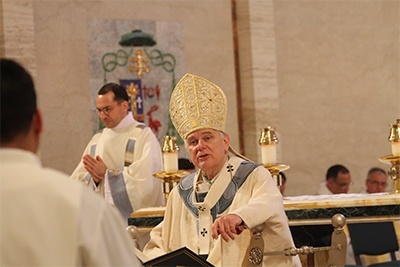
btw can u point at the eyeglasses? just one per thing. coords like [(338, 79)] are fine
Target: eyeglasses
[(343, 185), (106, 110), (376, 183)]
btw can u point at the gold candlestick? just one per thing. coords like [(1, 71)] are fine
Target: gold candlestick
[(394, 158), (170, 180), (268, 141)]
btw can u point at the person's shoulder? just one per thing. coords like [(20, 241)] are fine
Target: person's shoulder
[(54, 172), (71, 190), (323, 189), (61, 180), (187, 181), (97, 135), (136, 126), (142, 131), (256, 171)]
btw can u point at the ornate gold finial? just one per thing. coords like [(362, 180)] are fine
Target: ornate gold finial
[(268, 136), (394, 135), (394, 158), (139, 63), (170, 144)]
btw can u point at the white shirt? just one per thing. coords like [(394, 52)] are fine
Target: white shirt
[(323, 189), (48, 219)]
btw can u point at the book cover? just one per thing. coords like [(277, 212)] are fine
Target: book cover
[(179, 257)]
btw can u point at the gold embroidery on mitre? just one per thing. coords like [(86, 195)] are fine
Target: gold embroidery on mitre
[(195, 104)]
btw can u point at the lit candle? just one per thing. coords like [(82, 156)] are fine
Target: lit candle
[(396, 148), (268, 154), (170, 162), (268, 141), (170, 154)]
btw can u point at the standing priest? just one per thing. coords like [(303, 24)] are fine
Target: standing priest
[(119, 162)]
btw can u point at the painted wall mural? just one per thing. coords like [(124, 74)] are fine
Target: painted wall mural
[(146, 57)]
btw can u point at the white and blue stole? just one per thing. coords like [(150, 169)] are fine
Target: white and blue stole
[(208, 206)]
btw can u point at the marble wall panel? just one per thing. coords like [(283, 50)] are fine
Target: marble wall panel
[(110, 62)]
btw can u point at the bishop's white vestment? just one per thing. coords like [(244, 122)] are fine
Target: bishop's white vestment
[(242, 188)]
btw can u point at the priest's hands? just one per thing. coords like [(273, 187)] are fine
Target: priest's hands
[(227, 226), (95, 166)]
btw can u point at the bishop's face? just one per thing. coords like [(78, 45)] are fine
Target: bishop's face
[(208, 150), (110, 111)]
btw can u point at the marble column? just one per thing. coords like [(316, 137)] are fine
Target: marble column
[(257, 60), (18, 36)]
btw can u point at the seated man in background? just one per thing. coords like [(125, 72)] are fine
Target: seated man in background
[(210, 209), (46, 218), (376, 181), (185, 164), (338, 180)]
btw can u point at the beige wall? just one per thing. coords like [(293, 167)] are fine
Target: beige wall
[(324, 73), (339, 88)]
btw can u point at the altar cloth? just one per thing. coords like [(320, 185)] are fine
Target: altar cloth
[(310, 209)]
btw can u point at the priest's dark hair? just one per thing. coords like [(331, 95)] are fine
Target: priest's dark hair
[(334, 170), (120, 93), (18, 100)]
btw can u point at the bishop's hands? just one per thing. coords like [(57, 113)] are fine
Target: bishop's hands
[(227, 226), (95, 166)]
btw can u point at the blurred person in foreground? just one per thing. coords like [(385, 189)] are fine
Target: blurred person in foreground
[(46, 218), (210, 210), (337, 181)]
